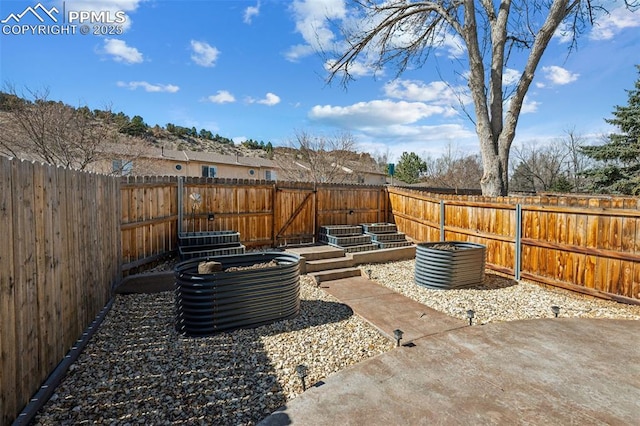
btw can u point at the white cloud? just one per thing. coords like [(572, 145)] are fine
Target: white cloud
[(221, 97), (356, 68), (120, 52), (436, 92), (311, 17), (374, 113), (510, 76), (295, 52), (563, 33), (454, 45), (270, 99), (558, 75), (148, 87), (204, 54), (423, 140), (250, 12), (529, 106), (608, 25)]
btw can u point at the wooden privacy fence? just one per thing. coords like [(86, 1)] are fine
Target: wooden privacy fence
[(589, 245), (264, 213), (67, 238), (59, 259)]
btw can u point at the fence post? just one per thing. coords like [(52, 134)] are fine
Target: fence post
[(180, 195), (518, 259), (442, 236)]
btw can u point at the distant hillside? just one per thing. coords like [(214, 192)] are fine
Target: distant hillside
[(50, 131)]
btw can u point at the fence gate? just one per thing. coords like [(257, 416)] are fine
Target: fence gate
[(294, 219)]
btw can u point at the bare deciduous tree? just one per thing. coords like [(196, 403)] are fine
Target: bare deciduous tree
[(453, 170), (556, 167), (576, 161), (37, 128), (405, 33), (319, 158), (537, 167)]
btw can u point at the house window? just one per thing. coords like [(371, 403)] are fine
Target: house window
[(209, 171), (178, 166), (121, 167), (252, 172), (270, 175)]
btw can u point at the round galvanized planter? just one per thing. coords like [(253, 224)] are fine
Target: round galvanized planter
[(461, 267), (221, 301)]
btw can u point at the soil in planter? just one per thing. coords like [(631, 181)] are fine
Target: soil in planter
[(448, 247), (261, 265)]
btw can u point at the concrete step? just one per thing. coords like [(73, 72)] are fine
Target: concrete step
[(360, 247), (312, 253), (326, 264), (336, 274), (384, 255)]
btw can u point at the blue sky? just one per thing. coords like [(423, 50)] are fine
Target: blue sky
[(250, 69)]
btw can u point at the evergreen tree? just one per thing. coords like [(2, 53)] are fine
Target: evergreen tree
[(409, 168), (136, 127), (620, 156)]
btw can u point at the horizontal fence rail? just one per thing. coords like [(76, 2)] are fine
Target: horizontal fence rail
[(585, 244), (264, 213)]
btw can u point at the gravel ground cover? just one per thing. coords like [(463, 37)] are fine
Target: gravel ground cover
[(138, 370), (498, 298)]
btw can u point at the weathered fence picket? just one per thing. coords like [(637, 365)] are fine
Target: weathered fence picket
[(59, 258), (585, 244)]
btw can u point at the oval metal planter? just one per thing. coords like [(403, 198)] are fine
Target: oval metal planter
[(449, 269), (221, 301)]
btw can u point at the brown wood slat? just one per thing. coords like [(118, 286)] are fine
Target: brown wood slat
[(8, 353), (51, 277)]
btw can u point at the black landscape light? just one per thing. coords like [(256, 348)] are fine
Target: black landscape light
[(301, 371), (397, 333), (556, 310), (471, 314), (369, 273), (318, 280)]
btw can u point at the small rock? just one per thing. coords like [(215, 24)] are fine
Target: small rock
[(209, 267)]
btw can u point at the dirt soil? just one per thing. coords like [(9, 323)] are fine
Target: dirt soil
[(261, 265)]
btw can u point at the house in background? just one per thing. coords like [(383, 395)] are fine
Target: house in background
[(167, 162), (359, 173)]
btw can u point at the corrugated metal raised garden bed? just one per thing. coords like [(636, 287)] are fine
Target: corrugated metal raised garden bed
[(252, 289), (449, 264)]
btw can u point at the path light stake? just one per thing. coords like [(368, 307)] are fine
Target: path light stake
[(555, 310), (369, 273), (397, 333), (301, 371), (317, 280), (471, 314)]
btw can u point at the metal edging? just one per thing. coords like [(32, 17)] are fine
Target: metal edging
[(40, 398)]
